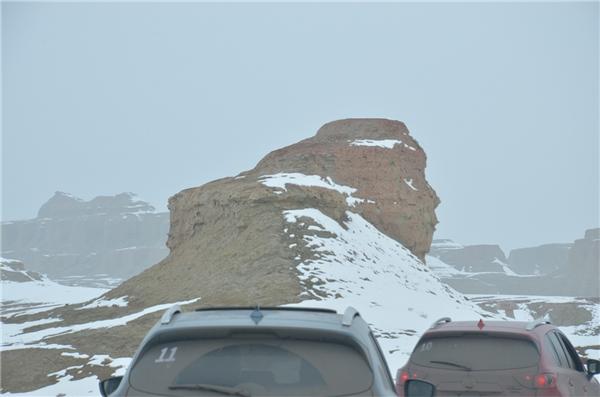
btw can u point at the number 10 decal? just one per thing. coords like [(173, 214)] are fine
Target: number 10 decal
[(163, 355)]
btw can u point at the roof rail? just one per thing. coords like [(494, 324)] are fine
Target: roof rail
[(349, 315), (440, 322), (540, 321), (169, 314), (264, 308)]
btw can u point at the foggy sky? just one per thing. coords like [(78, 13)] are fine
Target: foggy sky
[(153, 98)]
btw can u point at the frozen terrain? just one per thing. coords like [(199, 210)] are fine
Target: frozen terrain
[(33, 296)]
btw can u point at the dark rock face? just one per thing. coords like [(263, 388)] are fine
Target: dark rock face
[(545, 259), (114, 235)]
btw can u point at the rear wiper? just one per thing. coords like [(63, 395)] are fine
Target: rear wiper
[(453, 364), (232, 391)]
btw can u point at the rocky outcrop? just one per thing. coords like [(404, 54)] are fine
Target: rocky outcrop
[(114, 235), (229, 232)]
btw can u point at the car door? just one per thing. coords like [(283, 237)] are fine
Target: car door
[(579, 375)]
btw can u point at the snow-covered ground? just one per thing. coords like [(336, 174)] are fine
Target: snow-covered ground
[(20, 298), (83, 387), (13, 337)]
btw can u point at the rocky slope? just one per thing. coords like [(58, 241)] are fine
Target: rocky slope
[(72, 238), (340, 218)]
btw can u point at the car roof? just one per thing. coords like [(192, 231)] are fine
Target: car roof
[(264, 318), (522, 328)]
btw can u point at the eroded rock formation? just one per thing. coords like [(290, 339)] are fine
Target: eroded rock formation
[(229, 231)]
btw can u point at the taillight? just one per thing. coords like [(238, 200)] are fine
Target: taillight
[(404, 376), (544, 381)]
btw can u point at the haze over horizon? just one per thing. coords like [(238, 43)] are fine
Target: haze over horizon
[(154, 98)]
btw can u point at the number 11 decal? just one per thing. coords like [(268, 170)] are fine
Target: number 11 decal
[(163, 355)]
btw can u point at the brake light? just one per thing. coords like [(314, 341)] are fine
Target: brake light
[(404, 376), (544, 381)]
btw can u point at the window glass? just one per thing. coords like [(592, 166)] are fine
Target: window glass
[(572, 356), (565, 363), (559, 349), (549, 347), (476, 353), (272, 367)]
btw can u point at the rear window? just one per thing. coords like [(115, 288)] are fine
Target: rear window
[(257, 366), (475, 353)]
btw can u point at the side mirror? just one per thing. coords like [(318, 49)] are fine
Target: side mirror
[(108, 386), (593, 366), (418, 388)]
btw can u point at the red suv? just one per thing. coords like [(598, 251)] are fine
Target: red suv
[(499, 358)]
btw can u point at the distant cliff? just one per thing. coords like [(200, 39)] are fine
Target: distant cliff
[(583, 269), (114, 235), (570, 269)]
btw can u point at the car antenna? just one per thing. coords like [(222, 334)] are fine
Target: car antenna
[(256, 315)]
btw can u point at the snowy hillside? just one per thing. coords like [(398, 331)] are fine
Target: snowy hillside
[(356, 265)]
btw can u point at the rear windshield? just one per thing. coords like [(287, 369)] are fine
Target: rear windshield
[(258, 367), (475, 353)]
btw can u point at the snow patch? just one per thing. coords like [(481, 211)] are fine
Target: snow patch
[(409, 183), (281, 180), (101, 302), (382, 143)]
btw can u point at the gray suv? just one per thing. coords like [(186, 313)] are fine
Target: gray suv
[(271, 351)]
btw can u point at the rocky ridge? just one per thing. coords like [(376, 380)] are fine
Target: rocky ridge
[(118, 236)]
